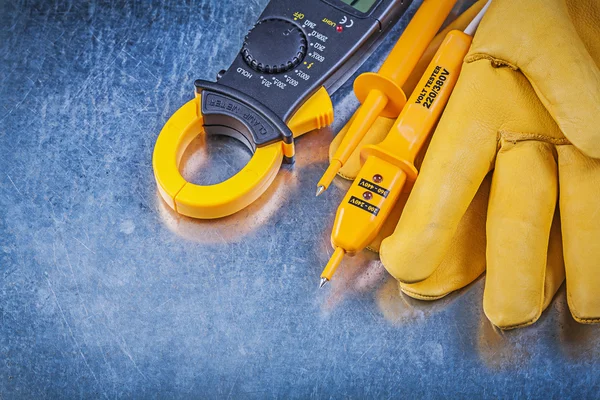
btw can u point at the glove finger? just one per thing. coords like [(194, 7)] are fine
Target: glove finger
[(465, 260), (458, 159), (555, 44), (555, 264), (522, 204), (579, 194)]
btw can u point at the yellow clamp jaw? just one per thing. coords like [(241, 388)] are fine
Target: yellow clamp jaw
[(201, 115)]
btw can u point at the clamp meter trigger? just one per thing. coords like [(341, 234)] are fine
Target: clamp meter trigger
[(277, 88)]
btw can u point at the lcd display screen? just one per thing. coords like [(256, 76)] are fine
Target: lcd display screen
[(361, 5)]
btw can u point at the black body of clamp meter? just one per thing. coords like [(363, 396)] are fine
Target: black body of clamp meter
[(294, 49)]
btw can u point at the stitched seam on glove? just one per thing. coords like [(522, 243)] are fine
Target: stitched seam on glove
[(515, 137), (346, 177), (576, 318), (421, 296), (586, 320), (524, 324), (496, 62), (372, 249)]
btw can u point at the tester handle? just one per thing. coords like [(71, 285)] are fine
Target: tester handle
[(381, 93), (425, 106), (418, 34), (389, 164)]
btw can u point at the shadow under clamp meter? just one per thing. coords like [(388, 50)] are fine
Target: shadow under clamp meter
[(278, 87)]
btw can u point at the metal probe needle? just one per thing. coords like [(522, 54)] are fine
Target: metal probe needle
[(365, 117), (334, 262)]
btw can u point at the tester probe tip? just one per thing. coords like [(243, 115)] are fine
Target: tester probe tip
[(323, 282), (328, 176), (334, 262)]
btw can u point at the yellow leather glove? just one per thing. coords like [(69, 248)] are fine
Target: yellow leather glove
[(525, 106), (466, 261)]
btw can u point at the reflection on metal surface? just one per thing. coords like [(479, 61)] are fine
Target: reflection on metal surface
[(401, 309), (200, 159), (233, 227), (576, 341), (211, 159), (498, 349), (511, 349), (356, 275)]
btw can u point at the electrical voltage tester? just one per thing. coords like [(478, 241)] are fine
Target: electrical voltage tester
[(277, 88)]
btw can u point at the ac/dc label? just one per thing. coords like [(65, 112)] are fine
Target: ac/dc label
[(368, 207), (373, 188)]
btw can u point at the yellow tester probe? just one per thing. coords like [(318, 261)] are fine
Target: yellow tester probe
[(388, 165), (381, 93)]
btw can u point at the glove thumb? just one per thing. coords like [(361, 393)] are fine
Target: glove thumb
[(555, 44)]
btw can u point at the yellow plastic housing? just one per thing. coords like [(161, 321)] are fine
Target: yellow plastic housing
[(237, 192), (389, 164)]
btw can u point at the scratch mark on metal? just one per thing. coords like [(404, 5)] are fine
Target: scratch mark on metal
[(62, 313), (15, 186), (81, 243), (366, 351)]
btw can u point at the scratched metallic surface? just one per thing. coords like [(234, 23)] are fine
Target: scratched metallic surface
[(106, 293)]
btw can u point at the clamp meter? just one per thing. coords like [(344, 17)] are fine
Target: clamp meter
[(276, 89)]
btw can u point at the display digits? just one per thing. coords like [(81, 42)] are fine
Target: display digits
[(361, 5)]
